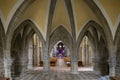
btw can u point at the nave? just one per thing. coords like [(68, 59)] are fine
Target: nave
[(33, 33), (36, 74)]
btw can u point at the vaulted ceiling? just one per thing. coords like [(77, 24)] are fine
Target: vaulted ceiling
[(72, 14)]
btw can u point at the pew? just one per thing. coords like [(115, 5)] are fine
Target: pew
[(53, 61), (41, 63), (67, 61), (80, 64)]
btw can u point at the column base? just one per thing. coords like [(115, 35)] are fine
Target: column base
[(97, 72), (74, 72), (112, 71), (46, 72)]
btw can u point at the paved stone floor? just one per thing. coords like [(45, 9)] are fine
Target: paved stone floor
[(58, 75)]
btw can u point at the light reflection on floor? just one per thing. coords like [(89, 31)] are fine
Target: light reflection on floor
[(61, 67), (66, 68)]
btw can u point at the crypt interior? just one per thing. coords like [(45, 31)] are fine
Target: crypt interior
[(59, 39)]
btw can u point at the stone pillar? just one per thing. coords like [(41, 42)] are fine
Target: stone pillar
[(30, 55), (117, 70), (96, 61), (38, 56), (96, 65), (23, 60), (46, 64), (74, 66), (80, 54), (46, 60), (1, 64), (1, 61), (112, 61), (7, 64), (112, 65), (34, 55), (87, 55), (84, 55), (30, 58)]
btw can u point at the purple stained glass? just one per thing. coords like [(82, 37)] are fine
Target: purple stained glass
[(60, 50)]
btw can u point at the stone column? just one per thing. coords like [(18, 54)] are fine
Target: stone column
[(80, 54), (96, 61), (7, 64), (84, 55), (112, 65), (112, 61), (30, 58), (46, 64), (1, 61), (87, 54), (96, 65), (38, 56), (74, 66), (117, 70), (23, 60), (34, 55), (1, 64), (46, 60)]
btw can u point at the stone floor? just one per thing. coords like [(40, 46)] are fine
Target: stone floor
[(36, 74)]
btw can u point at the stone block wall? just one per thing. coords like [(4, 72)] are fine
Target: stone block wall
[(118, 63), (1, 62)]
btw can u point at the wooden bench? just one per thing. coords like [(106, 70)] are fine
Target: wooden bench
[(41, 63), (67, 61), (53, 61), (80, 64)]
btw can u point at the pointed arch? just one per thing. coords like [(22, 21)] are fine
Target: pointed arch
[(31, 25), (60, 33), (89, 25), (30, 28), (100, 15), (14, 20)]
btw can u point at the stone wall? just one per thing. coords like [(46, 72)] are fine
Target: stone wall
[(16, 57), (118, 60), (103, 57), (1, 60)]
